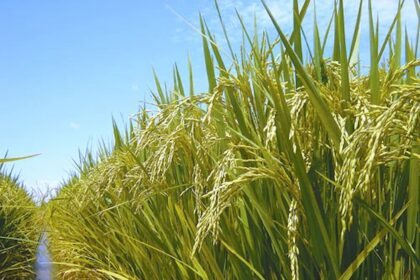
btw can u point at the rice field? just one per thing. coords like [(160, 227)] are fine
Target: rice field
[(18, 229), (294, 164)]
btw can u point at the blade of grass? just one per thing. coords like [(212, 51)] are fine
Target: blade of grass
[(180, 86), (381, 220), (4, 160), (190, 76), (242, 260), (317, 48), (361, 257), (298, 37), (354, 49), (345, 84), (413, 194), (389, 33), (374, 71), (211, 76), (161, 98)]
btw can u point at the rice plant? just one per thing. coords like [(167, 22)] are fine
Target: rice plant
[(18, 230), (285, 168), (6, 159)]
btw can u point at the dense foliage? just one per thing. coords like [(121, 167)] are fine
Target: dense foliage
[(18, 230), (284, 169)]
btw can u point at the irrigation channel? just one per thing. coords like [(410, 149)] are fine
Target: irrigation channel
[(43, 262)]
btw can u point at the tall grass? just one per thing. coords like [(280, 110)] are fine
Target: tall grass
[(18, 230), (285, 169)]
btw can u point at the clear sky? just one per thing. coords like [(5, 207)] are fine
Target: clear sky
[(67, 67)]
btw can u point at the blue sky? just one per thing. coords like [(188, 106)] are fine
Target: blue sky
[(67, 67)]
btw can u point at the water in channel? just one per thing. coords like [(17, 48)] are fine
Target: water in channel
[(43, 261)]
